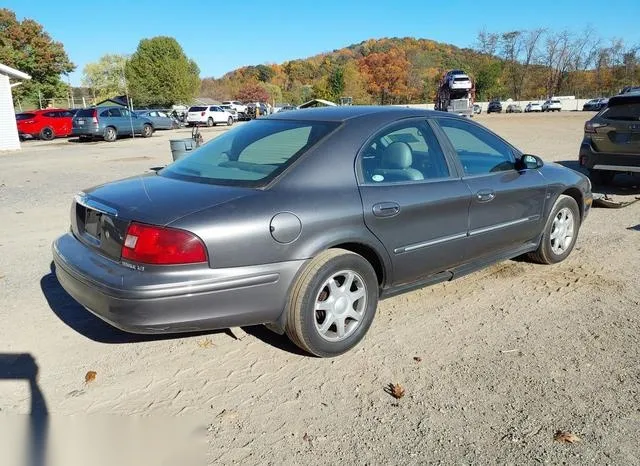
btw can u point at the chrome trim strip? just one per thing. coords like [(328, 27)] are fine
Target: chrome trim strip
[(617, 168), (499, 226), (83, 200), (425, 244)]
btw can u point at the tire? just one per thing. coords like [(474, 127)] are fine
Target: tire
[(110, 134), (210, 122), (47, 134), (553, 250), (601, 177), (147, 131), (230, 121), (312, 288)]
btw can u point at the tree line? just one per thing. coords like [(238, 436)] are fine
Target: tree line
[(520, 64)]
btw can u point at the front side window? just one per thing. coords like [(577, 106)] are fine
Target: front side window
[(479, 151), (408, 151), (250, 155)]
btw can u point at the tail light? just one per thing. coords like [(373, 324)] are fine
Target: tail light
[(151, 244), (203, 113), (591, 126), (94, 117)]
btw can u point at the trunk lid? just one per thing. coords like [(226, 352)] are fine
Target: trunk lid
[(100, 216), (621, 133)]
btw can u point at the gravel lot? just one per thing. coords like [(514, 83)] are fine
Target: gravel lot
[(493, 364)]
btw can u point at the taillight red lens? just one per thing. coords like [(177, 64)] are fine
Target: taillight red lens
[(94, 117), (202, 113), (151, 244)]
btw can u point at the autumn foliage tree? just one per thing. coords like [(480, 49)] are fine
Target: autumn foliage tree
[(252, 92), (26, 46), (387, 74)]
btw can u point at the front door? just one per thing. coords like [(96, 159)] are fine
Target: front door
[(413, 200), (506, 204)]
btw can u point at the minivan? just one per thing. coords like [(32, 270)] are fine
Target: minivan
[(109, 123)]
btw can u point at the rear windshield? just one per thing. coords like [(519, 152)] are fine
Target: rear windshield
[(85, 112), (461, 79), (555, 101), (25, 116), (625, 112), (250, 155), (197, 109)]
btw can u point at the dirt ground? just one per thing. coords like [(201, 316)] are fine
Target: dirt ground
[(492, 364)]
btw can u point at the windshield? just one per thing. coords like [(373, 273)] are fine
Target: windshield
[(625, 112), (85, 112), (25, 116), (197, 109), (250, 155)]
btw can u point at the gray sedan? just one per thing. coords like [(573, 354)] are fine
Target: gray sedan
[(303, 220)]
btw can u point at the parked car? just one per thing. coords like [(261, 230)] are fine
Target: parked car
[(209, 115), (159, 119), (552, 105), (231, 110), (109, 123), (533, 107), (45, 124), (630, 90), (477, 109), (238, 106), (424, 197), (514, 108), (611, 142), (594, 104), (494, 107)]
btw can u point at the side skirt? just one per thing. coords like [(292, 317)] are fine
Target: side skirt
[(460, 271)]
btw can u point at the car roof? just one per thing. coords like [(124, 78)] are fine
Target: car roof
[(629, 98), (352, 112)]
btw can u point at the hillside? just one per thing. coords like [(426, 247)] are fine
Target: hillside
[(389, 70)]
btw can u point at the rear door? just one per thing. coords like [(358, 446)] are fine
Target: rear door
[(620, 132), (414, 200), (506, 204), (218, 114)]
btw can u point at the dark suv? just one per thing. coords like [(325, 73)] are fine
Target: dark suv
[(611, 141), (494, 106)]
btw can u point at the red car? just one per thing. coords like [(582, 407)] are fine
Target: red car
[(45, 124)]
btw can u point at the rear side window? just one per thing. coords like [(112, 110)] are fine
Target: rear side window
[(479, 151), (197, 109), (625, 112), (111, 112), (25, 116), (250, 155), (50, 114)]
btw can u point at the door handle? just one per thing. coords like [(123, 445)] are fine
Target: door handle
[(486, 195), (386, 209)]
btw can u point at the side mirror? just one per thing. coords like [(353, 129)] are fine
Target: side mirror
[(530, 162)]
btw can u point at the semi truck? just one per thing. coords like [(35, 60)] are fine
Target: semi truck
[(456, 93)]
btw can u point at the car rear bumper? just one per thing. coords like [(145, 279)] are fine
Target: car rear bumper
[(89, 131), (165, 302), (608, 161)]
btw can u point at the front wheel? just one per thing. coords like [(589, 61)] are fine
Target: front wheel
[(230, 121), (332, 303), (560, 232)]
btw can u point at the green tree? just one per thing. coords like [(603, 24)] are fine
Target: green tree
[(488, 80), (105, 78), (159, 72), (335, 83), (25, 46), (274, 91)]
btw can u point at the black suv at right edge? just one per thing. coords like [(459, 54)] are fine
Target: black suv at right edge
[(611, 141), (494, 106)]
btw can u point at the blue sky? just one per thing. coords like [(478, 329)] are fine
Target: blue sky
[(221, 36)]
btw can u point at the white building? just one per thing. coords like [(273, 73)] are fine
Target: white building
[(9, 139)]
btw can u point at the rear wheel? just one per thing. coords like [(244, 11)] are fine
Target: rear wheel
[(332, 303), (560, 232), (210, 122), (47, 134), (147, 131), (601, 177), (110, 134)]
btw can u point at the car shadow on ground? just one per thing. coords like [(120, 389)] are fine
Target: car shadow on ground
[(622, 185), (85, 323)]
